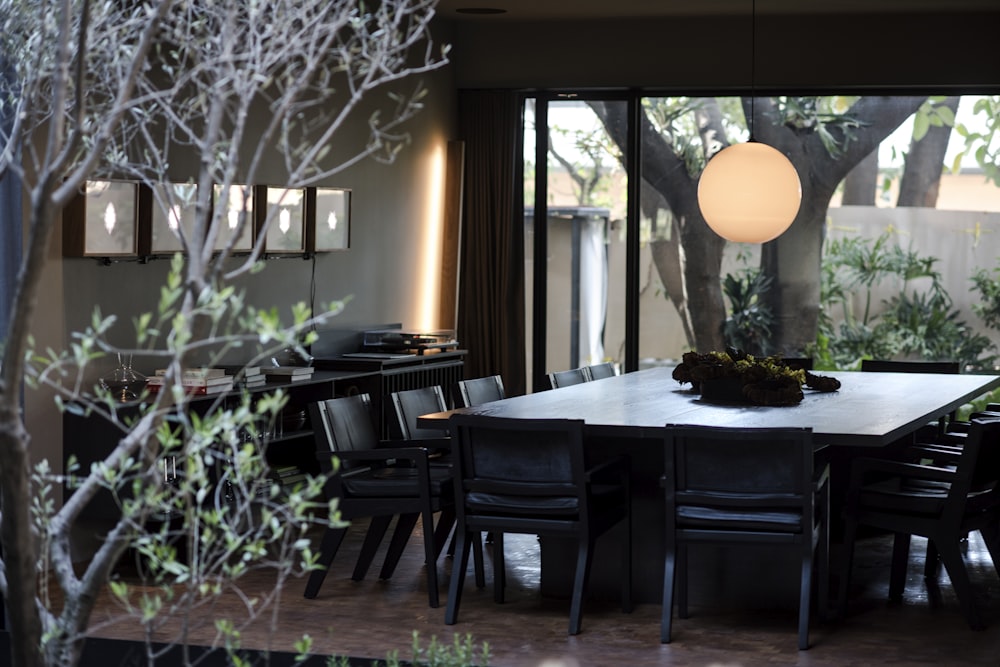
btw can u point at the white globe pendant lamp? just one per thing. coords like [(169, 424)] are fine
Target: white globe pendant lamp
[(749, 193)]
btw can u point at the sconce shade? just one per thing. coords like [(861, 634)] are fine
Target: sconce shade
[(749, 193)]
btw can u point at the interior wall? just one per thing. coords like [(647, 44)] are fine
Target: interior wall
[(386, 272)]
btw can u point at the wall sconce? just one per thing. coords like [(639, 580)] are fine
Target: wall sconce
[(328, 219), (173, 212), (103, 220), (239, 202), (749, 193), (286, 232)]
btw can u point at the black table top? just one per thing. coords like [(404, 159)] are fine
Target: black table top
[(870, 409)]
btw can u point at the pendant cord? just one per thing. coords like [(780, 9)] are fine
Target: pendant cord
[(753, 63)]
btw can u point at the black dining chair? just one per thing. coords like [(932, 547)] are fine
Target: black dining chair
[(601, 371), (567, 378), (378, 480), (408, 405), (476, 391), (744, 486), (531, 476), (943, 502)]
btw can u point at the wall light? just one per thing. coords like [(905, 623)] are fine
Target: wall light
[(749, 193)]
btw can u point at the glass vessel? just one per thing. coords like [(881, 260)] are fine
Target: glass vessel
[(124, 383)]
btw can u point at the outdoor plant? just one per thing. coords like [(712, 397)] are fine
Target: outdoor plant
[(917, 323), (748, 326)]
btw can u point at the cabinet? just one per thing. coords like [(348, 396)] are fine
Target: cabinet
[(90, 438)]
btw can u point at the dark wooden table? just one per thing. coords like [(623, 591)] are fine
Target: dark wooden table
[(624, 414), (870, 409)]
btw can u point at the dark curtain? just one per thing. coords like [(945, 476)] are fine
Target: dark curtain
[(490, 322), (10, 218)]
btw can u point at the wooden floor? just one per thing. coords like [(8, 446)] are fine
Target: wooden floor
[(370, 618)]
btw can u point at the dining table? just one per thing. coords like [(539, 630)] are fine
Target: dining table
[(626, 414)]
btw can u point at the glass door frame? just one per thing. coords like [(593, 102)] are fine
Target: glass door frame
[(537, 379)]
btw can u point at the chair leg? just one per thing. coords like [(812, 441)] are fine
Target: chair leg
[(458, 567), (805, 588), (897, 574), (627, 568), (953, 562), (669, 574), (477, 559), (430, 558), (579, 585), (499, 569), (446, 521), (332, 537), (931, 562), (682, 581), (400, 536)]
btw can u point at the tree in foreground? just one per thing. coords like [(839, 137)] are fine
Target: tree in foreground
[(205, 93)]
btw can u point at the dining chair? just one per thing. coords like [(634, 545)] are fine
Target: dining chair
[(377, 480), (942, 504), (744, 486), (476, 391), (408, 405), (566, 378), (530, 476), (601, 371)]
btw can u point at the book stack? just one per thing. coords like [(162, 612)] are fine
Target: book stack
[(252, 377), (287, 373), (287, 476), (197, 381)]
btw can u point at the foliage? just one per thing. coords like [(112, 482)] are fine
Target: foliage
[(911, 323), (983, 145), (826, 116), (764, 381), (988, 285), (748, 326)]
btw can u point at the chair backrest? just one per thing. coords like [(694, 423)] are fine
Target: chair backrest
[(476, 391), (739, 478), (519, 467), (566, 378), (409, 404), (889, 366), (601, 371), (344, 424), (978, 468)]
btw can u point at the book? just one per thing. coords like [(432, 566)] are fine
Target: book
[(288, 370), (196, 373), (236, 369), (195, 391), (195, 381)]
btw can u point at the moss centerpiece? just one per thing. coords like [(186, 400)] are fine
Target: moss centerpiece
[(734, 376)]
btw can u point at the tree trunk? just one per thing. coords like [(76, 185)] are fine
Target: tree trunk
[(698, 296), (793, 260), (921, 180), (861, 183)]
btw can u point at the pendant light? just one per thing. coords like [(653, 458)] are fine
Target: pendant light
[(749, 193)]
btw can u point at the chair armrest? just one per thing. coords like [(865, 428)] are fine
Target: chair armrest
[(427, 443), (863, 466), (387, 455)]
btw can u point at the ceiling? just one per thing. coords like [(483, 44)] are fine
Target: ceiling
[(556, 10)]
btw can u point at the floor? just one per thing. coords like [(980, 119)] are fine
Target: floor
[(372, 617)]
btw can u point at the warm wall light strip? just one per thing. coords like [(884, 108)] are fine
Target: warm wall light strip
[(429, 284)]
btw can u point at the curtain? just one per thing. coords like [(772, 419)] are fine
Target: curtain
[(491, 322), (11, 221)]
